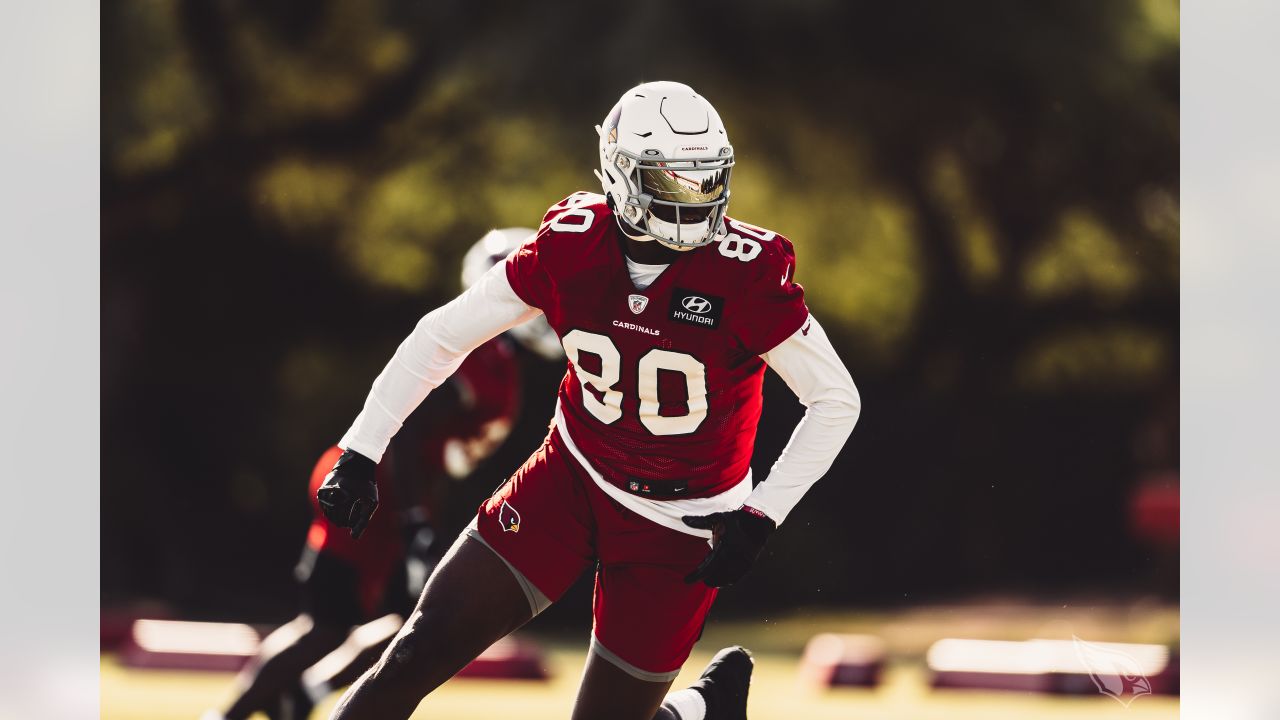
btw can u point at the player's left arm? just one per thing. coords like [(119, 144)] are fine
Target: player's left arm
[(810, 367), (789, 339)]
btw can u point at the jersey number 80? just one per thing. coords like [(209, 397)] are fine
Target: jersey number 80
[(608, 407)]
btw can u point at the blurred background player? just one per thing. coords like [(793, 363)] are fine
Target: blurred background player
[(371, 583)]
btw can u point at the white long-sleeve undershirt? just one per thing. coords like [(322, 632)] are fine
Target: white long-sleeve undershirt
[(810, 367), (445, 336), (431, 353), (643, 275)]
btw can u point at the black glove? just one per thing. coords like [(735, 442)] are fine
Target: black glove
[(736, 541), (349, 494)]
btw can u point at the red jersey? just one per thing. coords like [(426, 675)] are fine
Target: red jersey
[(487, 385), (662, 393)]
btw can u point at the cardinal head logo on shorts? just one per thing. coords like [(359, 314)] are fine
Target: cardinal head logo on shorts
[(637, 303), (508, 518)]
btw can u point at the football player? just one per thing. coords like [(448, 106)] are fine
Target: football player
[(669, 310), (371, 585)]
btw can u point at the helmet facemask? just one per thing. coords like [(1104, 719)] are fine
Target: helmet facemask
[(680, 202)]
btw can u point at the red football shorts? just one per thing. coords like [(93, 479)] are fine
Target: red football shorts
[(550, 521)]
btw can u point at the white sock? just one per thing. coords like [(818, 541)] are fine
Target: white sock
[(687, 703)]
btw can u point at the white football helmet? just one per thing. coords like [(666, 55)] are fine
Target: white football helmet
[(535, 335), (665, 161)]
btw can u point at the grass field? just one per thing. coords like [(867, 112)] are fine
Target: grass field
[(777, 691)]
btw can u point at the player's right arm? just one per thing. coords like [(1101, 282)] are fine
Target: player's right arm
[(431, 353)]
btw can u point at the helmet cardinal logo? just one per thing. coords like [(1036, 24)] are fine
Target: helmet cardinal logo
[(611, 126), (508, 518)]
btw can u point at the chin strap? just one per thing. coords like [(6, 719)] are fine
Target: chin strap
[(622, 226)]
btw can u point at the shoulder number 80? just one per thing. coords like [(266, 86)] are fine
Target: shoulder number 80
[(736, 246)]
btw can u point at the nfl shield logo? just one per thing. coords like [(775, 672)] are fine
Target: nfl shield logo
[(637, 303)]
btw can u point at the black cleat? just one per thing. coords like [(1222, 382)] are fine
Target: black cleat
[(725, 682)]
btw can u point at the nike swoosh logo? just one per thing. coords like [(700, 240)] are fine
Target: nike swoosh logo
[(785, 273), (805, 330)]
